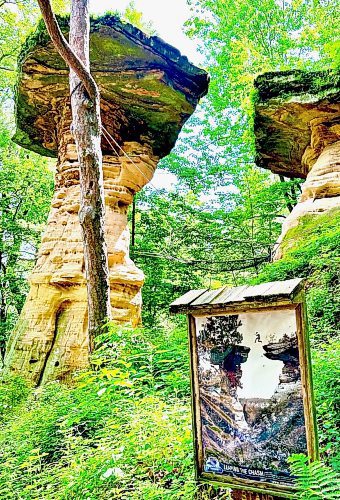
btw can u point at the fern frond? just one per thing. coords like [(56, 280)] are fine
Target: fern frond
[(314, 481)]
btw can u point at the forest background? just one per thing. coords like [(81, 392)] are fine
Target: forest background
[(123, 430)]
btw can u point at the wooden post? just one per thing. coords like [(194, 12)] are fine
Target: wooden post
[(251, 495), (133, 232), (207, 491)]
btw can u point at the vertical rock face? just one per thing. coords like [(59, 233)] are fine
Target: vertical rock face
[(297, 129), (148, 91)]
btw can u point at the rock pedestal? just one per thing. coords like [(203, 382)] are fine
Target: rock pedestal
[(52, 339), (297, 129), (286, 350), (148, 90)]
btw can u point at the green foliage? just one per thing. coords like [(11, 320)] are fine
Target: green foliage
[(13, 392), (123, 431), (214, 160), (25, 194), (185, 240), (241, 39), (15, 24), (149, 358), (310, 250), (135, 17), (172, 236), (326, 371), (215, 157), (314, 480)]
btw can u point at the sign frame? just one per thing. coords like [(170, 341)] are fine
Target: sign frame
[(295, 302)]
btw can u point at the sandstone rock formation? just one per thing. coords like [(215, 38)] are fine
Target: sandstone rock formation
[(286, 350), (297, 128), (148, 90)]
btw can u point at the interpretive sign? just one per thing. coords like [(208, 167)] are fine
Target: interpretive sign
[(252, 397)]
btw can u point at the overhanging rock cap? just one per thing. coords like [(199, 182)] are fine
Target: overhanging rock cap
[(194, 300), (286, 102), (148, 89)]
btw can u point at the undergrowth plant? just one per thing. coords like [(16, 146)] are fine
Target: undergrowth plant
[(326, 371), (13, 392), (122, 431), (314, 481), (154, 358)]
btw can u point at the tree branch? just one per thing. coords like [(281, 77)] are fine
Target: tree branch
[(2, 3), (65, 50), (17, 209), (8, 54)]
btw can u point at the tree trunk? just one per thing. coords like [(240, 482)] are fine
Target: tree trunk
[(86, 129), (286, 196)]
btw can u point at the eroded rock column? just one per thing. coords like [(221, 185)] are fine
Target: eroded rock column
[(50, 341), (148, 91), (321, 190), (322, 160), (297, 135)]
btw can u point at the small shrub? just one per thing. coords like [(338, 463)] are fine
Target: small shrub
[(326, 371), (155, 359), (123, 431), (13, 392)]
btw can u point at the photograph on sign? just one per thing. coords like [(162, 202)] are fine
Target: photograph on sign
[(250, 395)]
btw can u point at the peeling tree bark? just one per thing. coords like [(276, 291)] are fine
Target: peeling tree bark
[(86, 129), (87, 134)]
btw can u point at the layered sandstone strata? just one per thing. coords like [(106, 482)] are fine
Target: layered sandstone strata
[(148, 91), (297, 129)]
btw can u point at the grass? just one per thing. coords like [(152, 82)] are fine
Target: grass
[(123, 431)]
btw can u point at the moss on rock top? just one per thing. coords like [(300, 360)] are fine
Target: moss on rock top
[(285, 104), (312, 85), (144, 80)]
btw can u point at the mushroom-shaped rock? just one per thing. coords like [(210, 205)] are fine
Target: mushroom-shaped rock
[(148, 91), (297, 130), (285, 350)]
